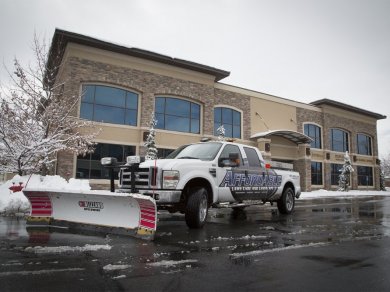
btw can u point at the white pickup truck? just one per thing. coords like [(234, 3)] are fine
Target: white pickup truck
[(198, 176)]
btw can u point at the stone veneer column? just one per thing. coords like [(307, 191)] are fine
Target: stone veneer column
[(264, 146), (303, 166)]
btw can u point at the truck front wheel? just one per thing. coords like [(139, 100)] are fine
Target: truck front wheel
[(287, 201), (196, 208)]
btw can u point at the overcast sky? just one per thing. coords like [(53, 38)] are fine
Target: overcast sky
[(304, 50)]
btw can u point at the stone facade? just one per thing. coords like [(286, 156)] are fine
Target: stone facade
[(80, 71), (150, 76), (353, 127)]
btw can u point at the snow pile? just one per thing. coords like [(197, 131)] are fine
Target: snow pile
[(171, 263), (341, 194), (111, 267), (62, 249), (13, 203)]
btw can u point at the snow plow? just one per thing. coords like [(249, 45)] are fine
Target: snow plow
[(119, 213), (123, 213)]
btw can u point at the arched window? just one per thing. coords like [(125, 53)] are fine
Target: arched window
[(314, 132), (339, 140), (109, 105), (176, 114), (364, 144), (230, 119)]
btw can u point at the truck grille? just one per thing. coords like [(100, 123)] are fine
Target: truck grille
[(143, 177)]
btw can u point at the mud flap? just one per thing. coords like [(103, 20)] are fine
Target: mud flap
[(119, 213)]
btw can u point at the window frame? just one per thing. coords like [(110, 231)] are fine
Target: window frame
[(191, 118), (104, 172), (368, 141), (91, 102), (315, 137), (319, 174), (332, 173), (345, 140), (232, 125), (370, 176)]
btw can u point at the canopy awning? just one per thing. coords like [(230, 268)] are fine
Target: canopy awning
[(296, 137)]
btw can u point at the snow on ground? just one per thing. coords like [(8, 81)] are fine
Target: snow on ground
[(11, 203), (62, 249), (111, 267), (338, 194), (171, 263)]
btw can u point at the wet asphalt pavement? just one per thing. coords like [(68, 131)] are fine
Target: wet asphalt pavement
[(325, 245)]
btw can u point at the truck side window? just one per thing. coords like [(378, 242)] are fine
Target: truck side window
[(253, 157), (231, 151)]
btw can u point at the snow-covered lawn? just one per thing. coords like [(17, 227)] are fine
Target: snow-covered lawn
[(11, 203)]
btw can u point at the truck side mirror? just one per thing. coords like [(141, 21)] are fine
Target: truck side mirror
[(108, 161)]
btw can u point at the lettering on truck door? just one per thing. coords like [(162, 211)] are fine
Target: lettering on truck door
[(251, 181), (229, 159)]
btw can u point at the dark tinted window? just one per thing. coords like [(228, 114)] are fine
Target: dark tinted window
[(364, 144), (109, 105), (314, 132), (335, 173), (316, 173), (253, 157), (177, 115), (339, 140), (230, 149), (89, 166), (365, 177), (230, 119)]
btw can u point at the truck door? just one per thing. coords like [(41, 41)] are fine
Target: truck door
[(229, 160)]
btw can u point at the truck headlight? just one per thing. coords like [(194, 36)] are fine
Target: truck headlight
[(170, 179)]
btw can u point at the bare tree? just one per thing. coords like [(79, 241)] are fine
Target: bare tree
[(38, 118), (385, 165)]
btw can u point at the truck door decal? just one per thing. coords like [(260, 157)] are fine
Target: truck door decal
[(247, 185)]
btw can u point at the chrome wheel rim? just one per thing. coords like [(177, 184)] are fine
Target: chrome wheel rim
[(289, 201), (203, 209)]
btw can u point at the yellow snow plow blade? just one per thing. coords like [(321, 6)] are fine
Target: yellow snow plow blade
[(119, 213)]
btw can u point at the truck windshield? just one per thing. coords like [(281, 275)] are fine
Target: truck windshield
[(202, 151)]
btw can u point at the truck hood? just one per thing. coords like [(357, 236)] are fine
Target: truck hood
[(172, 164)]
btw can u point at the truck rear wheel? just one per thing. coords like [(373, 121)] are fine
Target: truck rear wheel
[(196, 208), (286, 202)]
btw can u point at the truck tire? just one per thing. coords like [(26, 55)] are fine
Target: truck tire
[(196, 208), (286, 202)]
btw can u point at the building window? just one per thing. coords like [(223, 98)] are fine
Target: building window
[(230, 119), (365, 177), (316, 173), (339, 140), (364, 144), (314, 132), (163, 152), (335, 170), (177, 115), (89, 166), (109, 105)]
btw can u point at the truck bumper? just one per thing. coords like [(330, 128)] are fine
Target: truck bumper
[(164, 196)]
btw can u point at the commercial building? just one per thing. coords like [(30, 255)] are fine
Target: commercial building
[(122, 87)]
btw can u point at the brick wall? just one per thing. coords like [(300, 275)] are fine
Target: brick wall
[(149, 85), (353, 127)]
